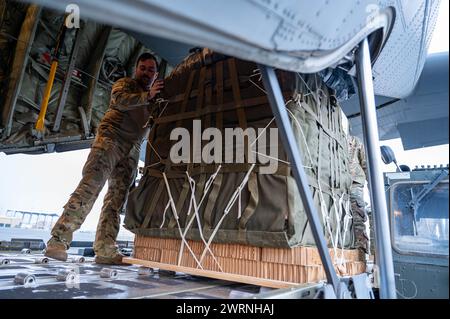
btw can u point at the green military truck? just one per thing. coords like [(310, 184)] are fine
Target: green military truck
[(418, 206)]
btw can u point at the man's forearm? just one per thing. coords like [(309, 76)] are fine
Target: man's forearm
[(130, 101)]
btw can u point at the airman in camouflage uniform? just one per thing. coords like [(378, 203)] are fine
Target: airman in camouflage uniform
[(114, 157), (358, 170)]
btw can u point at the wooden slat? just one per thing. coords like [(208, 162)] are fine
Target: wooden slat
[(213, 274)]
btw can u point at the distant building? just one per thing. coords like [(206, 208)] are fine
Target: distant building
[(29, 220), (23, 229), (9, 222)]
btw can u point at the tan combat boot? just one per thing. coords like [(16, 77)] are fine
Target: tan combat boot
[(115, 259), (56, 250)]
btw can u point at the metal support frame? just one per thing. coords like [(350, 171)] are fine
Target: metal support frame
[(84, 123), (376, 185), (360, 287), (66, 82), (290, 144), (94, 68), (23, 47)]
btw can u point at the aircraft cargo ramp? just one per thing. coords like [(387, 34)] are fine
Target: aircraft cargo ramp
[(33, 276)]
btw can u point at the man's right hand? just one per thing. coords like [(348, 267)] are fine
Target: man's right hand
[(156, 87)]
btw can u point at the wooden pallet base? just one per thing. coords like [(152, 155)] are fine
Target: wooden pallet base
[(291, 265), (212, 274)]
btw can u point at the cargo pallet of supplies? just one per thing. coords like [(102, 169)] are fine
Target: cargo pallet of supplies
[(242, 216)]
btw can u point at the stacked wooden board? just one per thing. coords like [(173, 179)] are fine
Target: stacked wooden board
[(297, 265)]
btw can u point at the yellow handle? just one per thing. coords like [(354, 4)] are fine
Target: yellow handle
[(48, 89)]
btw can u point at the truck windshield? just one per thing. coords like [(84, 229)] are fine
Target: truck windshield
[(421, 228)]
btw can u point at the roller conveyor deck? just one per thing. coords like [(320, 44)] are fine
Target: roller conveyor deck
[(31, 276)]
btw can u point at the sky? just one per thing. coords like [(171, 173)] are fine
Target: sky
[(43, 183)]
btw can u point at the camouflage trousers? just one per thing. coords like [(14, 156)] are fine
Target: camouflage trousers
[(359, 216), (108, 160)]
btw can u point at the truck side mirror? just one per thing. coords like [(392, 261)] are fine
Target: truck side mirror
[(387, 154)]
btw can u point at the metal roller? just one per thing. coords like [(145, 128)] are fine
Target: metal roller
[(4, 261), (77, 259), (67, 275), (170, 273), (25, 251), (108, 273), (41, 260), (145, 271), (25, 279)]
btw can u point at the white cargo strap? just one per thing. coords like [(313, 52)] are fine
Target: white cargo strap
[(238, 191), (227, 209), (338, 214), (252, 82), (348, 216), (157, 154), (174, 211), (345, 205), (339, 235), (164, 214), (303, 135), (197, 216), (160, 101), (276, 159), (208, 184), (310, 91)]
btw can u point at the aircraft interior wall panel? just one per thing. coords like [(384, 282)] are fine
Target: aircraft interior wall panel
[(280, 33)]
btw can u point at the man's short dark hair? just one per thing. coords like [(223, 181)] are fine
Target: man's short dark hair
[(147, 56)]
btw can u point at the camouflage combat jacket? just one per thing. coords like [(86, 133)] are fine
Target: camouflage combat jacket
[(358, 164), (128, 113)]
